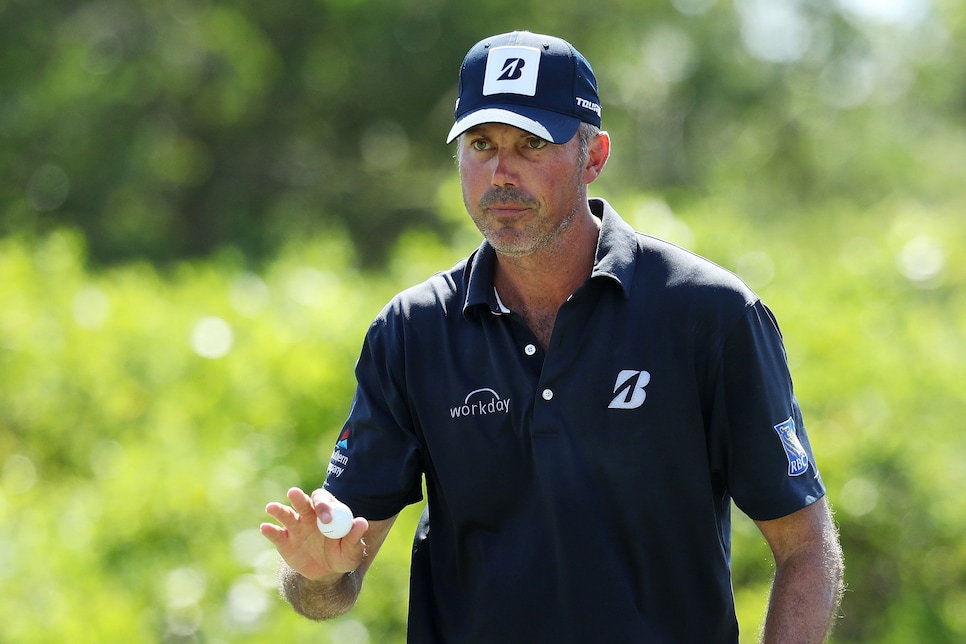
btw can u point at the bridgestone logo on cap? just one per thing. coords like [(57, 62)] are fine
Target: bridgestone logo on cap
[(512, 70)]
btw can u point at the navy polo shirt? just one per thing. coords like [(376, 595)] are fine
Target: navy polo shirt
[(580, 493)]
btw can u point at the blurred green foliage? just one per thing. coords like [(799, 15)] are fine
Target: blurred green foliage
[(171, 129), (146, 420), (203, 205)]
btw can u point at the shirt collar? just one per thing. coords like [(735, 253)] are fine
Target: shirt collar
[(616, 249), (616, 246)]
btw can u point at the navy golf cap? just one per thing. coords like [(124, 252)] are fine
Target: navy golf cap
[(538, 83)]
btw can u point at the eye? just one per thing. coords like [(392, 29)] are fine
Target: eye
[(536, 143), (480, 145)]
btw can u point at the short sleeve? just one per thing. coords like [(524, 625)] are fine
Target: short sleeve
[(761, 445), (375, 467)]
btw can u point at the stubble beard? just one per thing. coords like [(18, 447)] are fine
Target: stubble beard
[(533, 237), (529, 241)]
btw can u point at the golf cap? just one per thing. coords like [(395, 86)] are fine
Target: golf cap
[(538, 83)]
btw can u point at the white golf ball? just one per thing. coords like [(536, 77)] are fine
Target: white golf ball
[(340, 524)]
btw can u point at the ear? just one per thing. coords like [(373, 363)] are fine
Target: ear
[(598, 151)]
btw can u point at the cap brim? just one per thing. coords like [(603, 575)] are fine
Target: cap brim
[(550, 126)]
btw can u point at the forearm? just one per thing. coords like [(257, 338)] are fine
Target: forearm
[(319, 600), (809, 569), (804, 599)]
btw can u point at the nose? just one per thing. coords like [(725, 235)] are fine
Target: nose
[(505, 168)]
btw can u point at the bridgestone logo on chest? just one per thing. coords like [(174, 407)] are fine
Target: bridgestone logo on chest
[(481, 402), (629, 389)]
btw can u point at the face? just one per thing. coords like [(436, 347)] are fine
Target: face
[(521, 191)]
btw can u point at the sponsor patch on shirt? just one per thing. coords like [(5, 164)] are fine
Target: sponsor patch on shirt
[(797, 456), (339, 460), (480, 402)]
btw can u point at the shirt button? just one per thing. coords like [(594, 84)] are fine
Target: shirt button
[(547, 394), (529, 349)]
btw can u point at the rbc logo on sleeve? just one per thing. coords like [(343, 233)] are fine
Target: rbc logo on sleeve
[(797, 456)]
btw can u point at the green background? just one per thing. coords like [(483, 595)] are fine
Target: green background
[(204, 204)]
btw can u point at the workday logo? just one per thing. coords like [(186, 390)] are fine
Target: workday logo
[(629, 389), (481, 402), (511, 70)]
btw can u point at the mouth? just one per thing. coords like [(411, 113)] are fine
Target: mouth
[(506, 209), (507, 202)]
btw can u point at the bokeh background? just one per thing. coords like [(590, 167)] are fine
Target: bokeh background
[(204, 203)]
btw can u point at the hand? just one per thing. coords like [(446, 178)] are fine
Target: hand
[(303, 547)]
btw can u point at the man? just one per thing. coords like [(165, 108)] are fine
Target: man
[(582, 401)]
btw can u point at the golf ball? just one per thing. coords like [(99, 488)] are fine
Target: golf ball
[(340, 524)]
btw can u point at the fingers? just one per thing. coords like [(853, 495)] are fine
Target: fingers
[(359, 528), (303, 505), (323, 497), (323, 500), (303, 546), (274, 533), (304, 510), (281, 512), (291, 519), (301, 502)]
